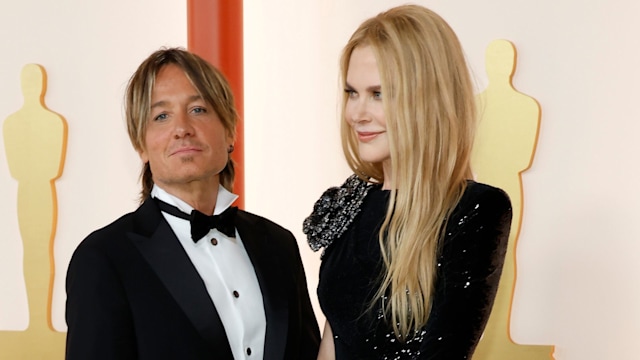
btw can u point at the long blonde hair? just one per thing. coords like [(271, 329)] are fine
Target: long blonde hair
[(430, 118)]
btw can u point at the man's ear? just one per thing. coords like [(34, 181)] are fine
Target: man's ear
[(143, 155), (231, 140)]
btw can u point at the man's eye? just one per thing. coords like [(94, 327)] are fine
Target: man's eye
[(160, 117), (199, 110)]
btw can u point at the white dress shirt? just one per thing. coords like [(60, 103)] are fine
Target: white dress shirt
[(228, 274)]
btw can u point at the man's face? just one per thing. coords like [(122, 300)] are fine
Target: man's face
[(185, 141)]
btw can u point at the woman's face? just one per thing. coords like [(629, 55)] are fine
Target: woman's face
[(364, 111)]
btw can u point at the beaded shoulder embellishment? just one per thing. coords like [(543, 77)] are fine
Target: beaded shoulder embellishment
[(334, 212)]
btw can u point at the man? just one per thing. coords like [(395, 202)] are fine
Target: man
[(155, 285)]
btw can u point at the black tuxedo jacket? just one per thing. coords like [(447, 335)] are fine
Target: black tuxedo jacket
[(133, 293)]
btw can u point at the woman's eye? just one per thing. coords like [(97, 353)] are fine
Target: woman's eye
[(377, 95), (351, 93)]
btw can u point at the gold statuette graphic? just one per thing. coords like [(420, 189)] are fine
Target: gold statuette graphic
[(504, 148), (35, 141)]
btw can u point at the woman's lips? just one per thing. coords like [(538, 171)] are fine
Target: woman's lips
[(366, 136)]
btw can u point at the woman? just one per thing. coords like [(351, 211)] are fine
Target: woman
[(413, 248)]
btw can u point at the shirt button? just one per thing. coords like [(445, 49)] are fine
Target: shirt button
[(248, 351), (214, 241), (236, 294)]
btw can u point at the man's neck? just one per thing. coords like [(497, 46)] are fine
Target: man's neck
[(201, 197)]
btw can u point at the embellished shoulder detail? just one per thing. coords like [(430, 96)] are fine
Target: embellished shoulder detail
[(334, 212)]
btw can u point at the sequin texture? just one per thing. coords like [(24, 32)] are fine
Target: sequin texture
[(334, 211), (468, 269)]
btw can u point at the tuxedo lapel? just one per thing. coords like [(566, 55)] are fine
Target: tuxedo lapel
[(255, 237), (157, 243)]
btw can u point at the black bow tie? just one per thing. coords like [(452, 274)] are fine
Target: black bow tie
[(201, 223)]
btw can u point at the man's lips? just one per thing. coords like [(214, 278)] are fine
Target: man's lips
[(185, 150)]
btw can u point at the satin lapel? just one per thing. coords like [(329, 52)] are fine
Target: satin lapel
[(159, 246), (256, 239)]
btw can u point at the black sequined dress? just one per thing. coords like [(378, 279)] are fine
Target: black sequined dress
[(469, 266)]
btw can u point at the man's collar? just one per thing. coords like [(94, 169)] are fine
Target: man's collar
[(223, 201)]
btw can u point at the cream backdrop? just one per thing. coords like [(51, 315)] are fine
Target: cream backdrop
[(88, 50), (578, 274)]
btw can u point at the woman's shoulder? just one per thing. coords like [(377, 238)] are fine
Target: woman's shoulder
[(478, 194), (481, 220), (334, 211), (481, 204)]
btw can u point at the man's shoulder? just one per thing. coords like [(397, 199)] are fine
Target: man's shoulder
[(113, 230), (261, 221), (108, 242), (143, 221)]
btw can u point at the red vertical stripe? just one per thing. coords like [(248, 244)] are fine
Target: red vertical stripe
[(215, 33)]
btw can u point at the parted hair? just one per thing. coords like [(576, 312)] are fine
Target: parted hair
[(208, 81), (430, 114)]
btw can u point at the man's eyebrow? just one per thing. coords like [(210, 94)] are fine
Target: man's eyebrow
[(193, 98), (161, 103), (158, 104)]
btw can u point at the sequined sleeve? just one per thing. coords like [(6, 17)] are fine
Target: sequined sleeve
[(334, 212), (469, 268)]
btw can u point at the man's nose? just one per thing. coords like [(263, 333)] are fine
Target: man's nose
[(182, 126)]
